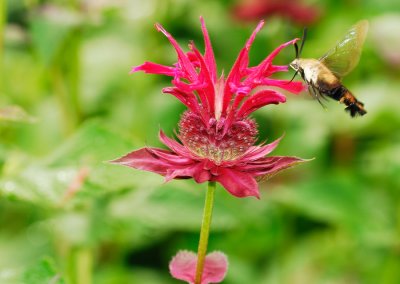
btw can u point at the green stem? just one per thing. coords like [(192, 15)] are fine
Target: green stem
[(84, 266), (205, 230), (80, 265)]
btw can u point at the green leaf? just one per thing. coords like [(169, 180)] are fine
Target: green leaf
[(177, 205), (43, 273), (50, 28), (77, 166), (94, 143), (344, 202)]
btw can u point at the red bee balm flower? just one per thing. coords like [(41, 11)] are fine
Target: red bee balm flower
[(216, 133), (293, 10)]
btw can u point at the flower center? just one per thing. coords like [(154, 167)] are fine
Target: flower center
[(211, 143)]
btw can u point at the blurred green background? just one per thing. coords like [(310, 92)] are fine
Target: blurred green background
[(68, 104)]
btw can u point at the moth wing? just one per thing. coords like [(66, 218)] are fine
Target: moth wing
[(342, 59)]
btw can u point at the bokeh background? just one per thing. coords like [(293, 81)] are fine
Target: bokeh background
[(68, 105)]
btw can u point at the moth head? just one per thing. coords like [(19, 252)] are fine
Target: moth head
[(295, 64)]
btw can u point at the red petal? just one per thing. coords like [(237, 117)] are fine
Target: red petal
[(265, 68), (202, 175), (154, 68), (274, 53), (206, 95), (174, 146), (279, 68), (188, 99), (194, 170), (239, 67), (143, 159), (293, 87), (258, 100), (184, 61), (253, 35), (209, 53), (270, 166), (238, 183), (170, 157), (257, 152)]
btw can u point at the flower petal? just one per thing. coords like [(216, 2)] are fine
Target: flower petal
[(209, 53), (183, 267), (188, 99), (257, 152), (170, 157), (154, 68), (294, 87), (269, 166), (258, 100), (239, 68), (207, 94), (143, 159), (268, 61), (194, 170), (184, 61), (238, 183), (265, 69), (173, 145)]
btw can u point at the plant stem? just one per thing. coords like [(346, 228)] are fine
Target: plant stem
[(80, 265), (84, 266), (205, 230)]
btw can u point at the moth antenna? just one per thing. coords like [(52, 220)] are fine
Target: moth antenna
[(296, 48), (303, 40)]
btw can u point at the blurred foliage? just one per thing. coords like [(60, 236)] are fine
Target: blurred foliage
[(68, 105)]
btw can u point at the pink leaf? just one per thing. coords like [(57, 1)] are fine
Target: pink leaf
[(183, 267), (215, 268)]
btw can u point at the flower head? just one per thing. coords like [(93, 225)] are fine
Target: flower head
[(218, 137)]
